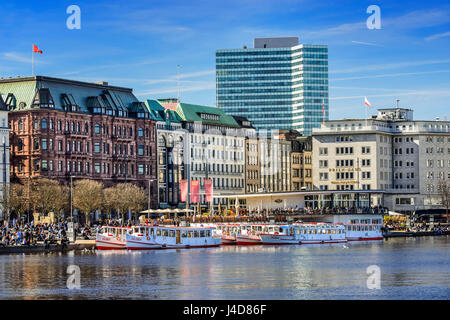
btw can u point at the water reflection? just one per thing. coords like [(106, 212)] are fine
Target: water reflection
[(411, 268)]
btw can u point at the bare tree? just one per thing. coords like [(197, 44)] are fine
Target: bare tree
[(130, 197), (12, 200), (88, 197), (110, 199), (51, 196), (444, 194)]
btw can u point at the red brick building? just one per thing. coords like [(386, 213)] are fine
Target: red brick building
[(63, 128)]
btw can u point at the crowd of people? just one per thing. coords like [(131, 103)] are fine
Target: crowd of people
[(317, 211), (19, 233)]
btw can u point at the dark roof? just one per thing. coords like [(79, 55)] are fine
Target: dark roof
[(243, 122), (24, 91)]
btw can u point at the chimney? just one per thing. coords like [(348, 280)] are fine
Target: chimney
[(103, 83)]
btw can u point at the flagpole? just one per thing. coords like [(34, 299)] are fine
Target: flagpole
[(365, 108), (32, 63)]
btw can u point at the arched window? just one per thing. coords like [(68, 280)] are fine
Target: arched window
[(44, 123), (97, 128), (20, 125)]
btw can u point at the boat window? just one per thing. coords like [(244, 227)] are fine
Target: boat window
[(184, 234), (172, 233), (136, 230), (195, 234), (158, 232), (165, 232), (202, 233), (208, 233), (358, 228), (190, 234), (142, 230), (152, 231), (280, 230)]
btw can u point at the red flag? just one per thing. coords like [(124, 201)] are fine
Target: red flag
[(195, 191), (208, 190), (183, 190), (36, 49), (366, 102)]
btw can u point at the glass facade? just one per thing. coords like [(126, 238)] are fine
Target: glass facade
[(275, 88)]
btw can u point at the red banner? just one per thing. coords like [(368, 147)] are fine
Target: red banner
[(183, 190), (208, 190), (195, 191)]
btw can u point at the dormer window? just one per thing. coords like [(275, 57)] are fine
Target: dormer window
[(209, 116), (10, 101), (43, 99), (68, 103)]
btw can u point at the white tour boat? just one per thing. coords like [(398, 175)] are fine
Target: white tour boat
[(249, 233), (227, 232), (306, 233), (111, 238), (363, 232), (169, 237)]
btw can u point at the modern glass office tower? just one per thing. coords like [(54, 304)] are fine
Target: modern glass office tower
[(278, 84)]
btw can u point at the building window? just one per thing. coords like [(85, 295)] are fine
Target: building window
[(97, 147)]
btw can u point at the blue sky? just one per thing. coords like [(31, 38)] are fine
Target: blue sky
[(138, 44)]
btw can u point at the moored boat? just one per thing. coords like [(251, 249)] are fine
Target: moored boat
[(250, 233), (170, 237), (306, 233), (111, 238), (363, 232)]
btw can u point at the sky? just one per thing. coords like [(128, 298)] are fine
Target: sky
[(140, 44)]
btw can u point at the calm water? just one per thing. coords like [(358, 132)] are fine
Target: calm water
[(411, 268)]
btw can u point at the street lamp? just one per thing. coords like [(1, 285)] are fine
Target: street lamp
[(149, 196), (71, 199)]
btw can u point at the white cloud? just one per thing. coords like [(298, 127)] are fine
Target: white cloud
[(438, 35), (391, 66), (209, 86), (20, 58), (366, 43), (389, 75)]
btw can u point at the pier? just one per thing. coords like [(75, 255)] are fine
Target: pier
[(42, 248)]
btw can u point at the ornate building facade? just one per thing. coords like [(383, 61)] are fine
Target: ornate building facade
[(63, 129)]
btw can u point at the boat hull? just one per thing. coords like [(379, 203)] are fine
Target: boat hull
[(242, 240), (278, 240), (227, 240), (107, 245)]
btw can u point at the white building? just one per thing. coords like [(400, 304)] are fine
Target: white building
[(391, 152), (216, 150)]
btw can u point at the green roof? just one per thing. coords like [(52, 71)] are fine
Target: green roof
[(159, 113), (211, 115)]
